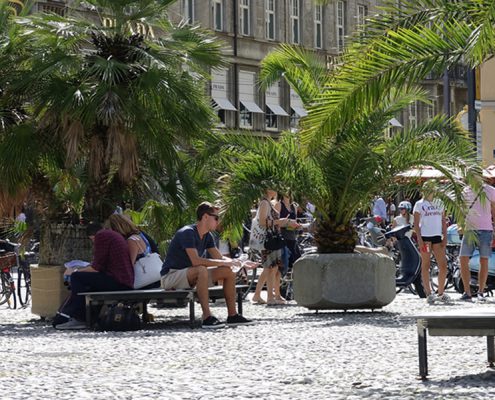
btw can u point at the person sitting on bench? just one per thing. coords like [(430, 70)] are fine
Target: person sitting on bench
[(110, 270), (186, 266)]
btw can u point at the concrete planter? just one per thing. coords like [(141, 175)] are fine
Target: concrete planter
[(344, 281), (59, 243)]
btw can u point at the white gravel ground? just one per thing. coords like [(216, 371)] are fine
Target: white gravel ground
[(290, 353)]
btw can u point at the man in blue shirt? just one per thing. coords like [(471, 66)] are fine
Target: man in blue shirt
[(190, 255)]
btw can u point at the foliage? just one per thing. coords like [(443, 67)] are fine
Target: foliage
[(344, 155), (109, 103)]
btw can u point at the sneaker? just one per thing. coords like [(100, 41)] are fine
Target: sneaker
[(71, 324), (238, 319), (466, 297), (212, 323), (431, 299), (444, 298), (480, 298)]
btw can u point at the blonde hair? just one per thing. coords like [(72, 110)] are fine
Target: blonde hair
[(121, 224)]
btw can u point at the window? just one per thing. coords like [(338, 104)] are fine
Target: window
[(245, 18), (188, 10), (270, 19), (217, 12), (246, 117), (413, 113), (295, 22), (247, 99), (318, 26), (270, 118), (273, 109), (340, 25), (362, 13), (220, 94), (430, 111), (297, 110)]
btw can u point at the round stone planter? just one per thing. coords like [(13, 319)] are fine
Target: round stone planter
[(344, 281)]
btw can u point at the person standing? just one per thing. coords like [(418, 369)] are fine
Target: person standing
[(267, 217), (380, 208), (187, 266), (430, 226), (478, 232)]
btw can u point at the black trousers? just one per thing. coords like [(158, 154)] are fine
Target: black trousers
[(80, 282)]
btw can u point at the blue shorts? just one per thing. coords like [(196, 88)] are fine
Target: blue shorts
[(480, 239)]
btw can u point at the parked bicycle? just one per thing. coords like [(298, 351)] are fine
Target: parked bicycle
[(8, 292), (17, 269)]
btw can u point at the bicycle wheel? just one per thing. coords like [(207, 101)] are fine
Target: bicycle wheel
[(24, 285), (5, 288), (434, 275), (10, 285)]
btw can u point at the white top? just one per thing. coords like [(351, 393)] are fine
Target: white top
[(402, 221), (431, 217)]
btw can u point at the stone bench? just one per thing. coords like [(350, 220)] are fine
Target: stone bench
[(465, 322), (162, 296)]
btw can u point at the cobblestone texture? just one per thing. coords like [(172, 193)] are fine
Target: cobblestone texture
[(290, 353)]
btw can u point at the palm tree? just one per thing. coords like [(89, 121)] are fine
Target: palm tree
[(121, 101), (342, 167), (398, 48)]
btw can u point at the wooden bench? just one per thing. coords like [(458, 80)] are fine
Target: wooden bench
[(465, 322), (171, 297)]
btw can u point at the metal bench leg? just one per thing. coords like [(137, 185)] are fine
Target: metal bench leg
[(491, 351), (422, 349), (89, 321), (239, 301), (191, 312)]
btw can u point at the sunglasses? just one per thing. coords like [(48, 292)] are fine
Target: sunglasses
[(214, 215)]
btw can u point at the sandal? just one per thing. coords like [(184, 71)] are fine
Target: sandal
[(258, 302), (277, 302)]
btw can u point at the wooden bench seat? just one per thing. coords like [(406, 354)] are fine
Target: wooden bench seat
[(465, 322), (160, 295)]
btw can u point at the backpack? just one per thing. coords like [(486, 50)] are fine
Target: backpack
[(119, 317)]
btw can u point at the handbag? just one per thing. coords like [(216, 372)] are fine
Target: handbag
[(147, 270), (119, 317), (274, 240)]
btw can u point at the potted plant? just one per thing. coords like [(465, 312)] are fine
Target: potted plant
[(340, 169), (96, 107)]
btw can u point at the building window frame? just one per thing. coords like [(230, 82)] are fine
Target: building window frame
[(362, 13), (295, 21), (245, 117), (318, 26), (188, 11), (340, 25), (217, 13), (413, 115), (245, 17), (270, 23), (271, 119)]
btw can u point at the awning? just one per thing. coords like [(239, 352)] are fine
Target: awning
[(395, 122), (300, 111), (224, 104), (277, 110), (251, 106)]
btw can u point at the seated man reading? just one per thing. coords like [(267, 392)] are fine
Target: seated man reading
[(186, 266)]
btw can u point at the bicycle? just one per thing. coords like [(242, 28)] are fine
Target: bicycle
[(8, 289)]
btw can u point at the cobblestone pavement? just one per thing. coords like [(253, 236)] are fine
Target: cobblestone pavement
[(290, 353)]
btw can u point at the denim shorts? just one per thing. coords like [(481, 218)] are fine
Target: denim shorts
[(480, 239)]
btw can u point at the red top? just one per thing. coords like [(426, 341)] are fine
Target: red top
[(111, 256)]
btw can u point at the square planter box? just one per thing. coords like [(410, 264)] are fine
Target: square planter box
[(344, 281), (47, 289)]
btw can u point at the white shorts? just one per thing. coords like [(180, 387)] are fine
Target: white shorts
[(177, 279)]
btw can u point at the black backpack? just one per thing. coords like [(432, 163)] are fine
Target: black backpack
[(119, 317)]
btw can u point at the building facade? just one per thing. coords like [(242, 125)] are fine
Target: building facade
[(251, 29)]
